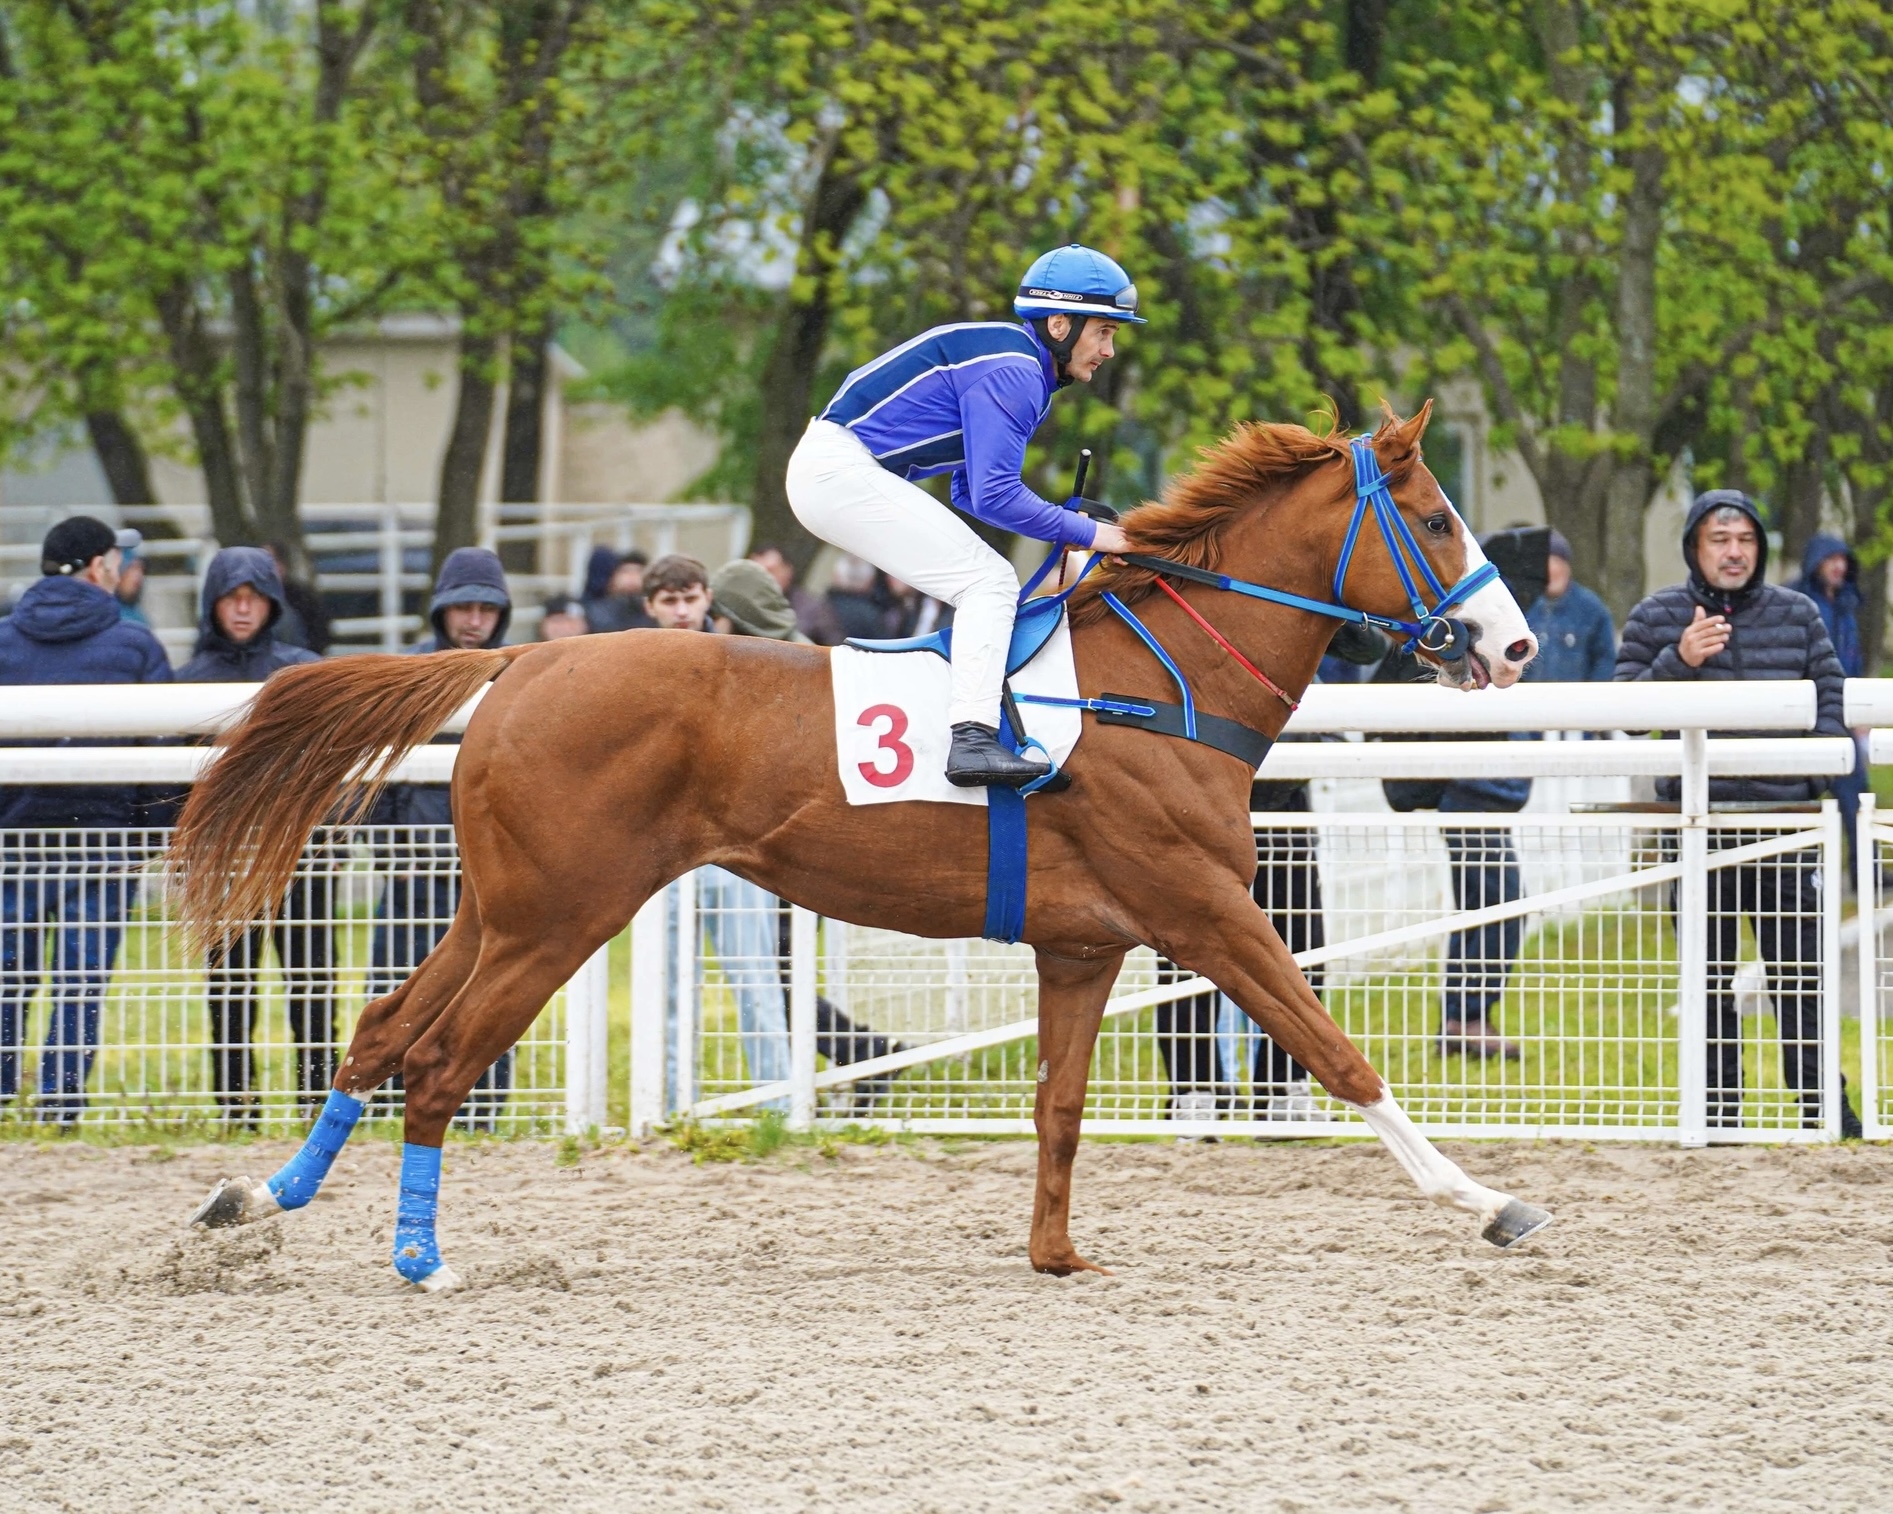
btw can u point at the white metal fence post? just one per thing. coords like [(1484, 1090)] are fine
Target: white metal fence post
[(1692, 944), (1867, 859), (685, 997), (801, 1018), (1833, 872), (587, 1006), (650, 976)]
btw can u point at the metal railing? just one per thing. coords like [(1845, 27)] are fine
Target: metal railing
[(1638, 960)]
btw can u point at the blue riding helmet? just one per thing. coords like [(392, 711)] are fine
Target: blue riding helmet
[(1077, 280)]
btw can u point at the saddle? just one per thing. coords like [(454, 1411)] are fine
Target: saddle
[(1032, 627)]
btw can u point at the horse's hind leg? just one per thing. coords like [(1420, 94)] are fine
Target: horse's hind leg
[(514, 978), (1071, 1007), (383, 1034), (1233, 944)]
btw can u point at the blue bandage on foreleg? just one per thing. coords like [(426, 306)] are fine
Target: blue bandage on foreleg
[(303, 1173), (416, 1253)]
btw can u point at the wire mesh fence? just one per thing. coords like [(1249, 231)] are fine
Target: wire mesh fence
[(108, 1018), (1507, 974), (1875, 860)]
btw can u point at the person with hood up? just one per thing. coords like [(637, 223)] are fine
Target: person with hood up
[(67, 882), (242, 603), (1727, 622), (471, 607), (614, 591)]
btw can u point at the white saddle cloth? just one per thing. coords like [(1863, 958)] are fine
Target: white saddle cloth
[(891, 732)]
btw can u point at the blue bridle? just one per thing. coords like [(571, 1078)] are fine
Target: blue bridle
[(1432, 630)]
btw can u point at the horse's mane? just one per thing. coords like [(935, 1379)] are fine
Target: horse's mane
[(1187, 524)]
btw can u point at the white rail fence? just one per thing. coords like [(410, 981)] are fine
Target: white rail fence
[(1660, 974)]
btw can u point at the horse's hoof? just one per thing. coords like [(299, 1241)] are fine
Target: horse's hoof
[(443, 1279), (235, 1201), (1514, 1222)]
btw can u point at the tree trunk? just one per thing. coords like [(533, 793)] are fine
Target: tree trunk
[(1634, 411), (522, 449), (122, 457), (1803, 483), (788, 378), (457, 522), (194, 365)]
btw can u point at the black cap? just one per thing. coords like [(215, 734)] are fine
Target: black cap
[(73, 543)]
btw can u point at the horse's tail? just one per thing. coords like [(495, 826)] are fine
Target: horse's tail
[(316, 735)]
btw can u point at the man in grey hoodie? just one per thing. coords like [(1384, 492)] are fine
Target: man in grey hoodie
[(241, 605)]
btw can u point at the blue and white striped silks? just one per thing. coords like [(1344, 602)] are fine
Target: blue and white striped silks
[(416, 1252), (303, 1173)]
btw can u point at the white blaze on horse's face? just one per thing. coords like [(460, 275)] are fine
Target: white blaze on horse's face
[(1502, 643)]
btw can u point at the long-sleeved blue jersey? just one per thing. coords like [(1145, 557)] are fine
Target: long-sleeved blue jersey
[(963, 399)]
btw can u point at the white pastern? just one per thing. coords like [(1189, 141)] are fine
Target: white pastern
[(1439, 1179)]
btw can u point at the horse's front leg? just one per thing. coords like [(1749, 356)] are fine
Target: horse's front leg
[(1071, 1007), (1231, 942)]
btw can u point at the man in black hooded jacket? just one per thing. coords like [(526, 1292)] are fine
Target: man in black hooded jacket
[(472, 607), (1726, 622), (242, 603)]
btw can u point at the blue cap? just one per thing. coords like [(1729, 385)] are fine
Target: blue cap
[(1077, 280)]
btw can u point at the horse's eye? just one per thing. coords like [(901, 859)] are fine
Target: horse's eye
[(1439, 525)]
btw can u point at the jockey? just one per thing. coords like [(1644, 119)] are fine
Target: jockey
[(965, 399)]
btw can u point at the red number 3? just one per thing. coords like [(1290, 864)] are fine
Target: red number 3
[(888, 741)]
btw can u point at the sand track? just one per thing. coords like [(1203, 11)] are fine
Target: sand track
[(1289, 1329)]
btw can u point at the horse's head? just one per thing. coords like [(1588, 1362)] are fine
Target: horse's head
[(1500, 642)]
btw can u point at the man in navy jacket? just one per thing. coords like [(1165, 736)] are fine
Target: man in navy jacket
[(242, 603), (1723, 623), (67, 876)]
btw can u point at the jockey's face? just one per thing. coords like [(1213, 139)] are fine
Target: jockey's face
[(680, 609), (1095, 345)]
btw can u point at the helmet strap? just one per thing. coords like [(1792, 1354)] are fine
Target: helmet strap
[(1060, 349)]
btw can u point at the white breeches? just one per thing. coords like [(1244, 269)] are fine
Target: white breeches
[(844, 496)]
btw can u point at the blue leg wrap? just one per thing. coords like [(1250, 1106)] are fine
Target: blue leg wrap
[(416, 1253), (303, 1173)]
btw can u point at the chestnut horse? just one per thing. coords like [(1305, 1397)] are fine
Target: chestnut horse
[(598, 769)]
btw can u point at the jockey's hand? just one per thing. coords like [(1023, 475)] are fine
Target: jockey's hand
[(1110, 538)]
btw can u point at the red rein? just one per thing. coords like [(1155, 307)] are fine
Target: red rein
[(1222, 641)]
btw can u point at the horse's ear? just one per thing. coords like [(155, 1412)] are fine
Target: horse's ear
[(1397, 442)]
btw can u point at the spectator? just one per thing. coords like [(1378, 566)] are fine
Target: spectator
[(564, 616), (1724, 623), (131, 578), (1577, 642), (677, 593), (914, 613), (852, 600), (1830, 576), (614, 591), (67, 882), (747, 926), (305, 619), (1202, 1039), (242, 604), (471, 608), (813, 618)]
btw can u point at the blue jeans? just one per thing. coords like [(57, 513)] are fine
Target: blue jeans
[(62, 907), (740, 920), (414, 912)]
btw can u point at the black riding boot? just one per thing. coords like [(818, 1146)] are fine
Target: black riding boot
[(977, 760)]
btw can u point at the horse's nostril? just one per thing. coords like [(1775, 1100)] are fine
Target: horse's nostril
[(1518, 651)]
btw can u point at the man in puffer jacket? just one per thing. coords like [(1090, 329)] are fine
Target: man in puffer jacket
[(242, 602), (471, 607), (67, 879), (1727, 622)]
